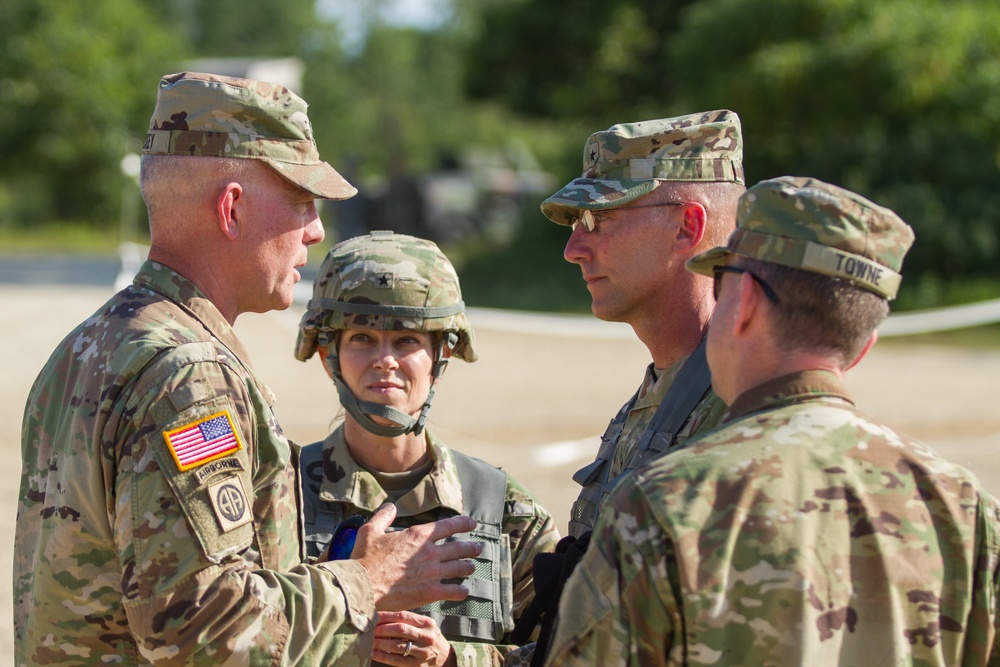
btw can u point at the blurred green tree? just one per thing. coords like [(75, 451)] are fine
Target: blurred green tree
[(236, 28), (394, 106), (78, 81), (75, 93), (400, 97), (590, 59), (898, 100)]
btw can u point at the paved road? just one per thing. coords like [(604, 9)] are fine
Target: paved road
[(532, 404)]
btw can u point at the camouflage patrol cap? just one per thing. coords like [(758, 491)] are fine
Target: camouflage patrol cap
[(221, 116), (630, 160), (390, 282), (815, 226)]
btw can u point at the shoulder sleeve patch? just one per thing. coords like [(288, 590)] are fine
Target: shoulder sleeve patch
[(229, 500), (202, 441)]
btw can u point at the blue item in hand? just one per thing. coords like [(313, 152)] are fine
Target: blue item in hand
[(344, 537)]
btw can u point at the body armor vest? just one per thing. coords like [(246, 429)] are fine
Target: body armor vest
[(486, 614), (690, 386)]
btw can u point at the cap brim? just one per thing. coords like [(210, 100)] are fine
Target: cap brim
[(593, 194), (320, 179), (706, 261)]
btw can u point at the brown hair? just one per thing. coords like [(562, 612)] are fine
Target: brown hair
[(815, 311)]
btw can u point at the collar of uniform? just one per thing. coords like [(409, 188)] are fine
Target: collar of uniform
[(788, 389), (358, 488), (656, 382), (164, 280)]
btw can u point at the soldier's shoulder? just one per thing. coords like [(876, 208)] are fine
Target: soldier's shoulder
[(520, 502)]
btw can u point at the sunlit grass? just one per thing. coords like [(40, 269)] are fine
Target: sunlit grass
[(60, 238)]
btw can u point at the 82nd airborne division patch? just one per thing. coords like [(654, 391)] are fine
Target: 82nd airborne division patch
[(229, 500)]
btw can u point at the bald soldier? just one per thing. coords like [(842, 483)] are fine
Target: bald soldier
[(802, 531), (158, 517)]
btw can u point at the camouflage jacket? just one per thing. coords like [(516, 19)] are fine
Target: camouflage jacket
[(620, 440), (802, 532), (351, 489), (158, 512)]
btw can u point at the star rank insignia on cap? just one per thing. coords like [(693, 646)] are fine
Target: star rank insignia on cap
[(593, 159), (204, 440), (384, 280)]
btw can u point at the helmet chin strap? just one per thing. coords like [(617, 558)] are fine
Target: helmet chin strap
[(361, 410)]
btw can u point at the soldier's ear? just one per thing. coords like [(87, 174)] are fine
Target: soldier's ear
[(747, 304), (324, 352), (229, 210), (691, 228)]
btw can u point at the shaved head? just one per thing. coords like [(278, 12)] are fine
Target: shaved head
[(180, 191)]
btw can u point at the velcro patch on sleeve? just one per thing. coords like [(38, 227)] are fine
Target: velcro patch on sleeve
[(229, 500), (202, 441)]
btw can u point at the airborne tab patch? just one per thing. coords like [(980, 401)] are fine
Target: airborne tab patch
[(222, 465), (202, 441)]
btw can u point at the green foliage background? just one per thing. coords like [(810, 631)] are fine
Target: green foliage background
[(898, 100)]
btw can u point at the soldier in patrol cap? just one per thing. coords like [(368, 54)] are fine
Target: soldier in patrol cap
[(157, 519), (385, 317), (802, 531), (652, 195)]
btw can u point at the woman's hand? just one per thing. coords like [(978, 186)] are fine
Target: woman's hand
[(404, 639)]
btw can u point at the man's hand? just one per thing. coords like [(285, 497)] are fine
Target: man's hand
[(407, 567)]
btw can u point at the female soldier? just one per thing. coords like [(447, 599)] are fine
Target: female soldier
[(385, 317)]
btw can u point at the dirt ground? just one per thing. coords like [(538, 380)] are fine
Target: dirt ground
[(533, 404)]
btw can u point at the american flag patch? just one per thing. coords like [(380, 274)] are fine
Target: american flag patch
[(202, 441)]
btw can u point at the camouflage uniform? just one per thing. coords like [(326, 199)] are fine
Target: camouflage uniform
[(126, 548), (394, 282), (342, 487), (802, 531), (158, 519), (654, 386), (621, 438), (620, 165)]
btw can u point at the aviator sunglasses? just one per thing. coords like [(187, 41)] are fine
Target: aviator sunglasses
[(589, 219)]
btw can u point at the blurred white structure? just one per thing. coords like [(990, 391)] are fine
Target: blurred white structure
[(283, 71)]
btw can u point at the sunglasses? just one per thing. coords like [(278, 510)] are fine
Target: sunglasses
[(717, 272), (589, 219)]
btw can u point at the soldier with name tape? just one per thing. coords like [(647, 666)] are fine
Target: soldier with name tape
[(158, 521), (802, 531)]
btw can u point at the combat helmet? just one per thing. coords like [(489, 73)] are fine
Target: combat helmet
[(389, 282)]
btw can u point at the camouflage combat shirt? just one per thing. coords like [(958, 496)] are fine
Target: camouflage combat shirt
[(158, 520), (802, 532), (527, 526), (620, 439)]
